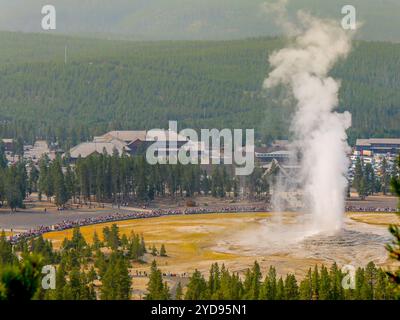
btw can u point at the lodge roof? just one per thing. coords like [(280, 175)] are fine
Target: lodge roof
[(369, 142), (85, 149)]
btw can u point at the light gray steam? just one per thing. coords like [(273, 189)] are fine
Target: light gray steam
[(278, 10), (319, 131)]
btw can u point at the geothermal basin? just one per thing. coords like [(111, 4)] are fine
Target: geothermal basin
[(289, 235), (238, 239)]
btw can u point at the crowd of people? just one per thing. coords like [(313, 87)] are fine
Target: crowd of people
[(370, 209), (144, 274), (202, 210), (68, 224)]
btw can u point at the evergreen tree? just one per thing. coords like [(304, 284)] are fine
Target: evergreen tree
[(96, 243), (370, 280), (45, 179), (60, 189), (60, 281), (116, 282), (370, 179), (197, 287), (315, 283), (214, 280), (33, 178), (179, 291), (336, 277), (15, 186), (268, 290), (44, 248), (383, 288), (394, 247), (70, 183), (156, 289), (142, 189), (78, 241), (325, 285), (7, 256), (252, 282), (385, 177), (154, 251), (136, 246), (123, 280), (360, 289), (227, 286), (358, 174), (114, 239), (306, 289), (291, 288), (280, 290), (124, 241), (21, 281), (78, 287), (3, 158), (163, 252), (363, 188)]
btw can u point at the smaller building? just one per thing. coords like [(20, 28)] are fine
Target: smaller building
[(377, 146), (282, 156), (39, 149), (8, 145)]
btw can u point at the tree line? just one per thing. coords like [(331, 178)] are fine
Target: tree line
[(320, 283), (121, 179), (366, 182)]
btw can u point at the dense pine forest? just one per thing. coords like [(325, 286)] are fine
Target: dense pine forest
[(109, 84)]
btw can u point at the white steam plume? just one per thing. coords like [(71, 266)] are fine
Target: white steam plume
[(279, 13), (320, 132)]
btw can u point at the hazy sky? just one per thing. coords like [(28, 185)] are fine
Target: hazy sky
[(189, 19)]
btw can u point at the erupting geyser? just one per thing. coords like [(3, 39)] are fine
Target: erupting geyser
[(319, 131)]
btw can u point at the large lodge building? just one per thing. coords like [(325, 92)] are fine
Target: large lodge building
[(127, 141), (378, 146)]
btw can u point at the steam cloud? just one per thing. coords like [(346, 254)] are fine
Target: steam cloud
[(319, 131)]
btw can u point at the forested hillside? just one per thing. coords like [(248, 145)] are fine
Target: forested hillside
[(141, 85)]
